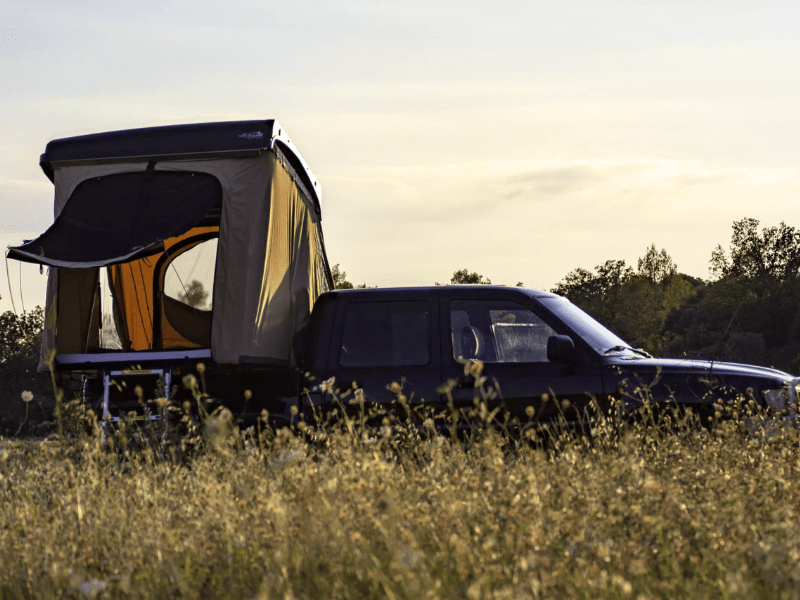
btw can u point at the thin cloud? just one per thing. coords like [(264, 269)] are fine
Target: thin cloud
[(477, 184)]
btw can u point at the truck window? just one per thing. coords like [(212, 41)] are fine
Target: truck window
[(497, 332), (385, 334)]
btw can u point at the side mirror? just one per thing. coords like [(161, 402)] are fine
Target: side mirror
[(561, 348)]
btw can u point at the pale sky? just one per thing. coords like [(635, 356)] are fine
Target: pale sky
[(517, 139)]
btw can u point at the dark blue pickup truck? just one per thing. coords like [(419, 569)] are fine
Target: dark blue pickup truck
[(534, 347)]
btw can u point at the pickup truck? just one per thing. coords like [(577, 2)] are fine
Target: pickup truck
[(537, 350)]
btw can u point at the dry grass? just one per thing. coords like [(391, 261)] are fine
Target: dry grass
[(639, 512)]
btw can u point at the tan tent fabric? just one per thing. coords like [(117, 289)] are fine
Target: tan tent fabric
[(267, 269), (284, 303), (50, 318), (78, 317), (270, 266), (243, 249), (66, 179), (51, 298)]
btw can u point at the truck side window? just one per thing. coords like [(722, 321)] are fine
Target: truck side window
[(385, 334), (497, 332)]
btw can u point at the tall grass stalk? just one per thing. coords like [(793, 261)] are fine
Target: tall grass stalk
[(339, 508)]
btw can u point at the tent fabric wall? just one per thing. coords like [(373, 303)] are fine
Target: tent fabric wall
[(284, 303), (78, 318), (266, 269), (270, 262), (71, 315), (132, 286), (183, 326), (50, 319)]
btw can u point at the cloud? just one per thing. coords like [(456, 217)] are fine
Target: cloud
[(480, 185), (552, 180)]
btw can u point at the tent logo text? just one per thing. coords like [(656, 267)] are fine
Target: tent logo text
[(255, 135)]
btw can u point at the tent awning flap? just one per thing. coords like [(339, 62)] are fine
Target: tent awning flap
[(121, 216)]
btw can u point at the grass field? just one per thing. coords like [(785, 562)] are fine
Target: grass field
[(642, 511)]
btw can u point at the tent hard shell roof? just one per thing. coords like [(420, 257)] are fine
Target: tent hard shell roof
[(179, 142)]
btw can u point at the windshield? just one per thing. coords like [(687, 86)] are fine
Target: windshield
[(592, 332)]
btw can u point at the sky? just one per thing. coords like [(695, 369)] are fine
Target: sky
[(521, 140)]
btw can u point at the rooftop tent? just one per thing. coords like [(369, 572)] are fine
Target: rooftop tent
[(135, 201)]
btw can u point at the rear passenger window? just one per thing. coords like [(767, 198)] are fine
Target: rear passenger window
[(385, 334)]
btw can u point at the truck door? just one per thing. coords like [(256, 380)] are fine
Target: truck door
[(508, 333), (384, 339)]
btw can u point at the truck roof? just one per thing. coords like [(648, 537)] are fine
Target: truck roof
[(393, 291)]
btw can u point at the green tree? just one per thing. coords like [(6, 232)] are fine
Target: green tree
[(464, 276), (750, 312), (634, 304), (20, 345), (656, 266), (340, 280), (597, 292), (642, 309), (194, 295), (21, 336), (771, 254)]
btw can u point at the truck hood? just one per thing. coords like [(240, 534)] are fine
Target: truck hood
[(689, 380), (700, 367)]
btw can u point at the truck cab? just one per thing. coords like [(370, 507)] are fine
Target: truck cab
[(422, 338)]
